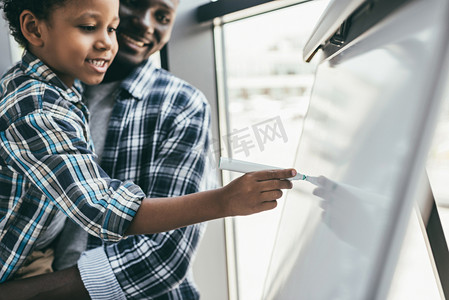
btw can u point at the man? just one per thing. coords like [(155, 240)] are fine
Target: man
[(152, 128)]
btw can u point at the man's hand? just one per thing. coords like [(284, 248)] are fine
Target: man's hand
[(66, 285)]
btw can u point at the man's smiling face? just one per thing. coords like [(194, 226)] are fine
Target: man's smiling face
[(145, 27)]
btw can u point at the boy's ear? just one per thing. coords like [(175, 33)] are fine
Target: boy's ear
[(30, 26)]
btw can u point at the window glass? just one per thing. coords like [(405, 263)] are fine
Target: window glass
[(16, 50), (438, 165)]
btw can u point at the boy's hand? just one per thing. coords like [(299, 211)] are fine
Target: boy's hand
[(256, 191), (252, 193)]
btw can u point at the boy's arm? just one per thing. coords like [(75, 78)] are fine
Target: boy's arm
[(251, 193), (138, 262)]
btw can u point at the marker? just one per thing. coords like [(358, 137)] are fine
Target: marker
[(241, 166)]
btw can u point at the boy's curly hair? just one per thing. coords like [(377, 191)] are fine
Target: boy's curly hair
[(13, 8)]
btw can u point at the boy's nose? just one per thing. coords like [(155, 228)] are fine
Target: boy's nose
[(104, 42)]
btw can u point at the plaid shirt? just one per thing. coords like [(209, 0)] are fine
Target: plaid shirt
[(158, 137), (46, 164)]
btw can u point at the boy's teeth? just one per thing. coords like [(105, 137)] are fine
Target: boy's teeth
[(97, 63)]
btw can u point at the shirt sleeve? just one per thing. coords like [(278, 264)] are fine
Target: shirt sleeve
[(53, 154), (98, 277), (148, 266)]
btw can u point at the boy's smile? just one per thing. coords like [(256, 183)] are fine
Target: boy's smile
[(79, 40), (99, 65)]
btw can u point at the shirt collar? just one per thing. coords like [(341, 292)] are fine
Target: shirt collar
[(35, 68), (135, 84)]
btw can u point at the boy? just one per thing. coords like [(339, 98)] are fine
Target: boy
[(47, 166)]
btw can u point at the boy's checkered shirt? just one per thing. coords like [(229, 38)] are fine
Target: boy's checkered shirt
[(47, 163)]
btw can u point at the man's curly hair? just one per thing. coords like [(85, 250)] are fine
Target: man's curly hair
[(13, 8)]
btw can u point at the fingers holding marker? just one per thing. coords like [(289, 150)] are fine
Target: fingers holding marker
[(275, 174)]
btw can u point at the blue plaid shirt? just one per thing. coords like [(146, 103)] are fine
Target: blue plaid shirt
[(46, 164), (158, 137)]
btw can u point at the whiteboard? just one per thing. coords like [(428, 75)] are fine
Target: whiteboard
[(371, 115)]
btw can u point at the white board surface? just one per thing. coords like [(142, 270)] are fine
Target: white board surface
[(366, 136)]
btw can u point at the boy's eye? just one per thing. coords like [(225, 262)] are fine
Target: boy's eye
[(112, 29), (88, 28)]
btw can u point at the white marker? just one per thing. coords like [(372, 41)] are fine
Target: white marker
[(241, 166)]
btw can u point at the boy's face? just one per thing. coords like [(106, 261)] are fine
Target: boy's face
[(80, 41), (145, 27)]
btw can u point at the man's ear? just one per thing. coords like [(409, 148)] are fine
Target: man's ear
[(30, 26)]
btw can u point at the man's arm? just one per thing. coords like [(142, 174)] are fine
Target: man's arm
[(66, 284)]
